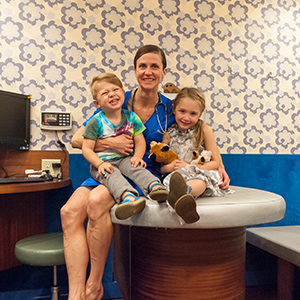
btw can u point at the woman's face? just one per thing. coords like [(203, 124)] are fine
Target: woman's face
[(149, 71)]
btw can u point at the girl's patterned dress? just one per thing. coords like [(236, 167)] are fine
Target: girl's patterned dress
[(183, 145)]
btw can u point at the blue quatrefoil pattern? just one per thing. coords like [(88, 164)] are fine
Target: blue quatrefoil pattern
[(244, 56)]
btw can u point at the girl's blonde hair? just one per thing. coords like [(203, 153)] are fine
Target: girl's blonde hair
[(106, 77), (197, 95)]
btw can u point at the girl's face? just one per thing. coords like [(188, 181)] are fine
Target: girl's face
[(109, 96), (187, 113), (149, 71)]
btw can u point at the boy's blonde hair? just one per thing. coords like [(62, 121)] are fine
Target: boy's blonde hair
[(197, 95), (106, 77)]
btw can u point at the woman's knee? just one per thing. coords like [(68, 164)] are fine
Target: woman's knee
[(75, 210), (66, 215), (99, 203)]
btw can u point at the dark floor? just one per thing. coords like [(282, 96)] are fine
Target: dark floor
[(261, 293), (256, 293)]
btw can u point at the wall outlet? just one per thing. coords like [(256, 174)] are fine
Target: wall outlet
[(53, 165)]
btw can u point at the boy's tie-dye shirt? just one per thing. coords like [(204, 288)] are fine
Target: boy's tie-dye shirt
[(99, 127)]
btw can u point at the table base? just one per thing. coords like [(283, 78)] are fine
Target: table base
[(177, 264)]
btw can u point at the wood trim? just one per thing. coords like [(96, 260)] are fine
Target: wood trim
[(285, 280), (21, 215), (33, 186)]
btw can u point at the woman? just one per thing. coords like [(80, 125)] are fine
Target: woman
[(80, 245)]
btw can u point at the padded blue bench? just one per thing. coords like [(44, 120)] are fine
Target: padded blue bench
[(283, 242)]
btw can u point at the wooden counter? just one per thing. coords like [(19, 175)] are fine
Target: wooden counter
[(22, 205), (33, 186)]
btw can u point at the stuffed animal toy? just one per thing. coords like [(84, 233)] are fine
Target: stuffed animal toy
[(162, 153), (202, 158), (170, 88)]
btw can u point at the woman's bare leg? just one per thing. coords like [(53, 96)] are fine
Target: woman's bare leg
[(99, 235), (73, 216)]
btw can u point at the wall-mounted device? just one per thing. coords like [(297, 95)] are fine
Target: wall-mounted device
[(54, 120)]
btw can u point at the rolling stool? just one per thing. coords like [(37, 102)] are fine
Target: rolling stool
[(43, 250)]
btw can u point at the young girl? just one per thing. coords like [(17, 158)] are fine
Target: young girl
[(188, 181)]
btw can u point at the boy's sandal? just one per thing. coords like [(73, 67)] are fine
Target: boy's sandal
[(178, 188), (186, 208), (128, 208), (160, 194)]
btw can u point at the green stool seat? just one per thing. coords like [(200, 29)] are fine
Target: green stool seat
[(41, 250)]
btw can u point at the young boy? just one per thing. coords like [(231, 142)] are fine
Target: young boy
[(108, 166)]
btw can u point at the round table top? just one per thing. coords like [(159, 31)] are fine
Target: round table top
[(245, 207)]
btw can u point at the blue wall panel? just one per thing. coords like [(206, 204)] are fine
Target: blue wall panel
[(274, 173)]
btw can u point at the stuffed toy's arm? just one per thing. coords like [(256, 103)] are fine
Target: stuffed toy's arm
[(166, 138)]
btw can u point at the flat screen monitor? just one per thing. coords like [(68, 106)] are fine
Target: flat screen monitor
[(14, 121)]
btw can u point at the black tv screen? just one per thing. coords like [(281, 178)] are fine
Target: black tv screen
[(14, 121)]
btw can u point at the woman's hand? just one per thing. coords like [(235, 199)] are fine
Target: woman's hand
[(135, 161), (105, 167), (122, 143), (225, 178)]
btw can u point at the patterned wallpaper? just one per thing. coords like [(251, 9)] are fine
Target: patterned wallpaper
[(244, 55)]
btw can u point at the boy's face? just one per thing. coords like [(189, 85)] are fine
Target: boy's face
[(108, 96)]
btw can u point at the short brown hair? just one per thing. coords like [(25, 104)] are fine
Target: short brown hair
[(150, 49), (106, 77)]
